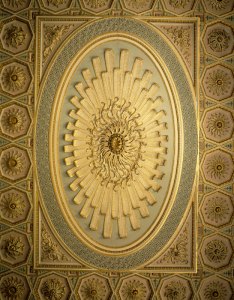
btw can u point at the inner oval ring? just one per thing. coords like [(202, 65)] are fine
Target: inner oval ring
[(172, 184)]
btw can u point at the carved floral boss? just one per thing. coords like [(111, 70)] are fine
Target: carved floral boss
[(116, 143)]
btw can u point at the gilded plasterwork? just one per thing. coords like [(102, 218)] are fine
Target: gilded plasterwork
[(85, 89), (53, 34), (183, 38), (177, 254), (215, 201), (51, 252), (14, 286), (117, 156), (99, 72)]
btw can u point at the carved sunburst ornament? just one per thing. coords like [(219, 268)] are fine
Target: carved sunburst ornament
[(116, 143)]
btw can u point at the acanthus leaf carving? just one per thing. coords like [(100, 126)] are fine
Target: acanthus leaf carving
[(50, 249), (52, 35)]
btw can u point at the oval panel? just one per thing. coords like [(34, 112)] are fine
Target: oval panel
[(117, 160), (119, 151)]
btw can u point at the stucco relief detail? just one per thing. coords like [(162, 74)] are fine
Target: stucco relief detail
[(178, 253), (16, 35), (219, 39), (218, 7), (14, 287), (135, 287), (14, 120), (175, 288), (56, 5), (15, 78), (14, 205), (216, 251), (138, 6), (93, 287), (14, 247), (179, 6), (16, 5), (218, 82), (217, 209), (14, 163), (215, 287), (53, 34), (179, 3), (182, 37), (217, 167), (53, 287), (218, 125), (113, 143), (50, 250), (97, 6)]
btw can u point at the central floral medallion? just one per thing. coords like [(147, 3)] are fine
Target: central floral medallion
[(116, 143)]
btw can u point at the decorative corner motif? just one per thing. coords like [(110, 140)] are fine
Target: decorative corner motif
[(182, 37), (51, 253), (52, 35), (180, 253), (50, 250)]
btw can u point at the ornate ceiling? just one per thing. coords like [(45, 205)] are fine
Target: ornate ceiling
[(116, 162)]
